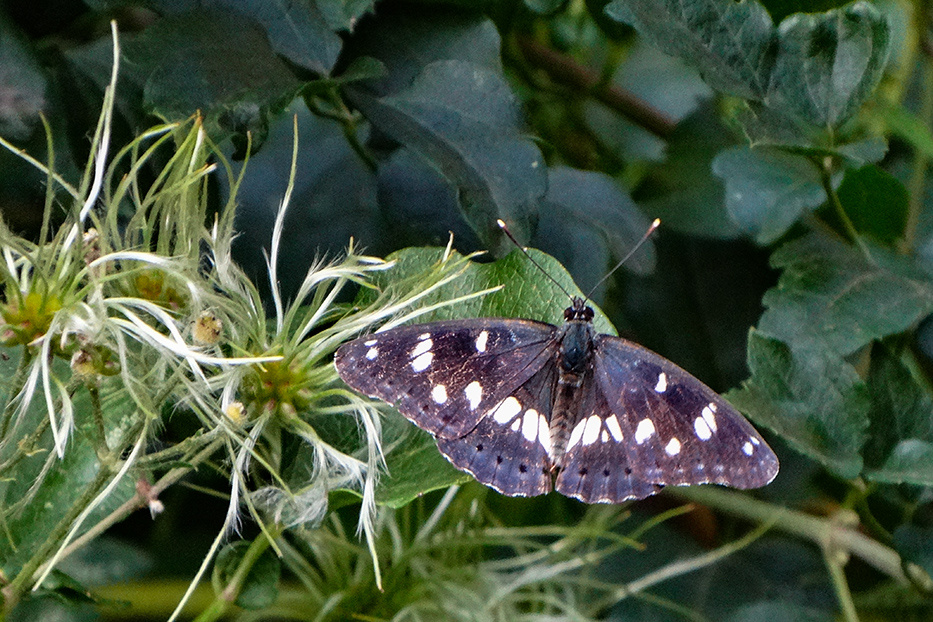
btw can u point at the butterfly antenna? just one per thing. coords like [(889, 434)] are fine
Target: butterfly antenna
[(505, 229), (644, 238)]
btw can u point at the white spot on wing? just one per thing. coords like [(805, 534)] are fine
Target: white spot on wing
[(576, 434), (530, 425), (516, 425), (474, 394), (422, 347), (748, 448), (506, 410), (754, 441), (661, 387), (481, 341), (544, 434), (422, 362), (372, 353), (604, 436), (673, 447), (612, 424), (369, 343), (439, 394), (644, 431), (591, 432), (702, 429), (424, 336), (708, 417)]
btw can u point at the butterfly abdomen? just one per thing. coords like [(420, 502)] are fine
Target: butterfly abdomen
[(576, 347)]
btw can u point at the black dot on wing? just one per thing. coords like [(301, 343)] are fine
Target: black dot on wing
[(498, 459), (583, 471), (479, 447), (522, 468), (628, 471), (605, 472)]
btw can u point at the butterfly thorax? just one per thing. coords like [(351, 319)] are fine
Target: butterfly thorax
[(576, 351)]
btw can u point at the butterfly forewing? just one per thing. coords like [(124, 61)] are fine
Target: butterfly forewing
[(445, 376), (674, 431), (508, 448), (517, 402)]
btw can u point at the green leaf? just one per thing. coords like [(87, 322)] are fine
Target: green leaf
[(419, 205), (464, 120), (260, 588), (900, 446), (681, 191), (767, 190), (195, 61), (828, 63), (588, 218), (832, 300), (876, 203), (34, 498), (408, 41), (344, 14), (730, 43), (414, 466), (779, 611), (813, 399), (769, 127), (526, 291), (831, 296), (302, 32), (23, 85)]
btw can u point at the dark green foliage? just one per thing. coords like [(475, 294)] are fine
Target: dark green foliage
[(576, 123)]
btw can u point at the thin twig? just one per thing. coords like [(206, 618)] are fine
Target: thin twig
[(565, 70)]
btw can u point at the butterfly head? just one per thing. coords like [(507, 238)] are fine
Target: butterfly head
[(578, 311)]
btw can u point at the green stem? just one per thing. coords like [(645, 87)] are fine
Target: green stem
[(819, 530), (349, 122), (23, 580), (234, 586), (916, 184), (681, 567), (139, 501), (15, 388), (826, 179), (838, 576), (26, 447), (98, 413)]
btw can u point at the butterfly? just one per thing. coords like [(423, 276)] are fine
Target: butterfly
[(528, 407)]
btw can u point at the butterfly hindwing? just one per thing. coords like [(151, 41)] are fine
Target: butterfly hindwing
[(445, 376), (518, 402), (508, 448), (674, 430), (599, 466)]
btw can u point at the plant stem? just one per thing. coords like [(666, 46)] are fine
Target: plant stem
[(840, 583), (821, 531), (139, 501), (234, 586), (14, 388), (851, 232), (916, 184), (682, 567), (22, 582), (565, 70)]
